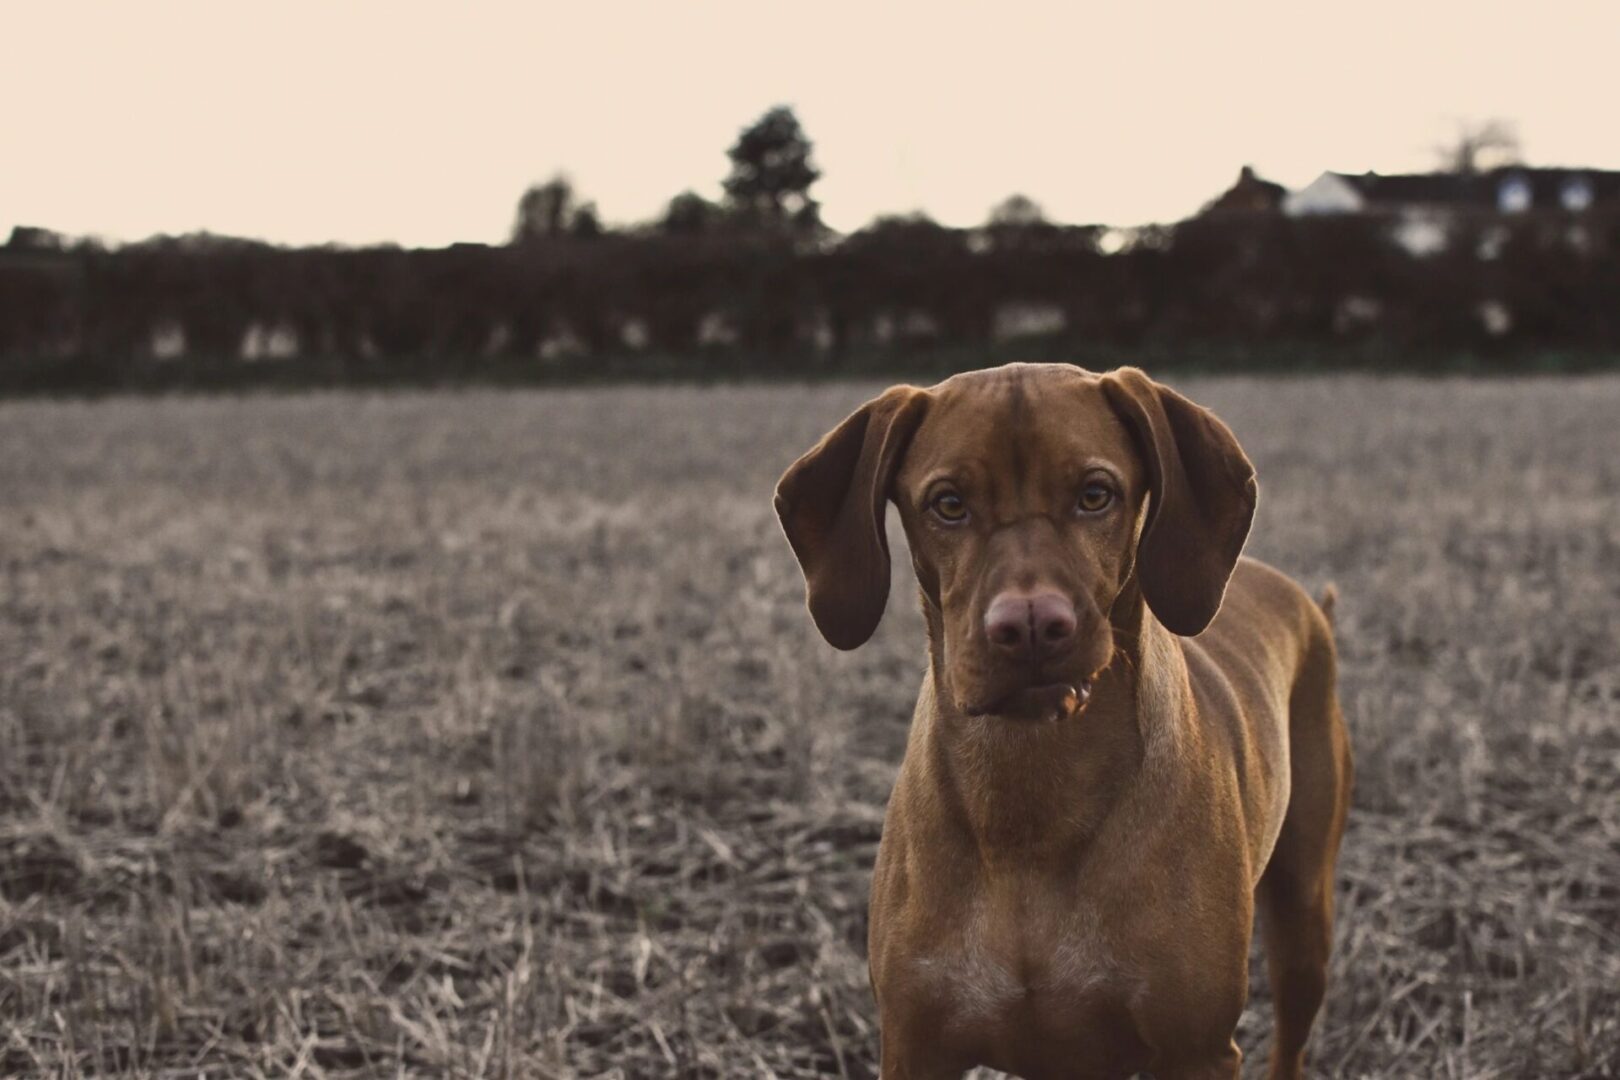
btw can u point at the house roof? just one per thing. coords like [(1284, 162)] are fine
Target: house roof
[(1547, 186), (1251, 192)]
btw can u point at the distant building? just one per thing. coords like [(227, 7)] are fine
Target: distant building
[(1423, 204), (1511, 189), (1251, 192)]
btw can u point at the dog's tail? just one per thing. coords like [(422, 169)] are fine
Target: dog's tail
[(1328, 600)]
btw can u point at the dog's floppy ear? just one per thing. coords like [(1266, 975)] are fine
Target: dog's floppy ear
[(831, 504), (1202, 500)]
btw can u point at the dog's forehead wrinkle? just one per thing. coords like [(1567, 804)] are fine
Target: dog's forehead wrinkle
[(1024, 423), (1018, 428)]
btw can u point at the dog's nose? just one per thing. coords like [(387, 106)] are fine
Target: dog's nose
[(1021, 624)]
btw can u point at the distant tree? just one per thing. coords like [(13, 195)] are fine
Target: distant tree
[(895, 230), (771, 173), (915, 219), (34, 238), (1478, 146), (690, 214), (199, 243), (1017, 223), (544, 210), (1017, 210), (553, 209), (586, 221)]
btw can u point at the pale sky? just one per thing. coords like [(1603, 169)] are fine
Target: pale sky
[(362, 122)]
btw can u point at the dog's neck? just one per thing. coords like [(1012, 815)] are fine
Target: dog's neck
[(1025, 788)]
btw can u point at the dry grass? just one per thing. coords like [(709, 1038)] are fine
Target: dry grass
[(484, 734)]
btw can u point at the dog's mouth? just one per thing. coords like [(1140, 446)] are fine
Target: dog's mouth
[(1048, 701)]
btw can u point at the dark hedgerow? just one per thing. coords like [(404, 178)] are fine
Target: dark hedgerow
[(1229, 291)]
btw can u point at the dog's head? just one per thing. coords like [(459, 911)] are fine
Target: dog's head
[(1032, 496)]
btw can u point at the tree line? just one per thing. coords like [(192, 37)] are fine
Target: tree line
[(756, 284)]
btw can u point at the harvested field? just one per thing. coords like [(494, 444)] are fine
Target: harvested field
[(483, 734)]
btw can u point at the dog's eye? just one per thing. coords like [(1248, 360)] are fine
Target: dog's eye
[(948, 505), (1095, 498)]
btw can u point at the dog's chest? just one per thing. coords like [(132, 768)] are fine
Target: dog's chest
[(1017, 976)]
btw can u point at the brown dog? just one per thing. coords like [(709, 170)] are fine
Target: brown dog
[(1103, 775)]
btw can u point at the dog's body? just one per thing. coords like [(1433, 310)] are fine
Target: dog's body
[(1069, 900), (1091, 805)]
